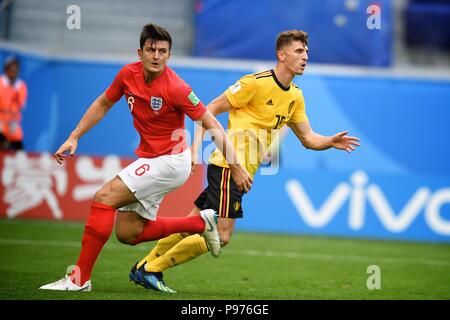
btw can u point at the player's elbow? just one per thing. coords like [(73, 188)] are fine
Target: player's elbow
[(208, 121), (306, 142)]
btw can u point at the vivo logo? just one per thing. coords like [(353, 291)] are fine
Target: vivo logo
[(360, 194)]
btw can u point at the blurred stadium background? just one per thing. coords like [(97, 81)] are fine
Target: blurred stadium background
[(390, 86)]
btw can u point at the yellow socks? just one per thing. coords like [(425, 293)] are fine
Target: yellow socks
[(162, 246), (185, 250)]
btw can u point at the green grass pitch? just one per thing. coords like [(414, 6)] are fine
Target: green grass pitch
[(254, 266)]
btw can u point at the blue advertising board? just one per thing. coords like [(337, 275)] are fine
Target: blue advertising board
[(350, 204)]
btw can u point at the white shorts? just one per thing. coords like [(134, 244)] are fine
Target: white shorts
[(151, 179)]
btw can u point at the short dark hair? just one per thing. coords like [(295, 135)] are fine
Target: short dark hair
[(9, 61), (286, 37), (154, 33)]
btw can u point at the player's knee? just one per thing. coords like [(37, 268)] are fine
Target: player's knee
[(101, 196), (225, 239), (126, 237)]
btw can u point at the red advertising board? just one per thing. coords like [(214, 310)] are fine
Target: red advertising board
[(34, 185)]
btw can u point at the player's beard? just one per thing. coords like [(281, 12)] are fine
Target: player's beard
[(154, 70)]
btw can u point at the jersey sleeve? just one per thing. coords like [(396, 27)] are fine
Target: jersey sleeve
[(116, 89), (184, 99), (240, 93), (299, 113)]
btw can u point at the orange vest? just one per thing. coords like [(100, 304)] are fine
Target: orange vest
[(12, 101)]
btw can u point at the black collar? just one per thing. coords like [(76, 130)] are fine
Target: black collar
[(278, 82)]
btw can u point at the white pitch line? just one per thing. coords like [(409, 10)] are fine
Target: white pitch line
[(260, 253), (332, 257)]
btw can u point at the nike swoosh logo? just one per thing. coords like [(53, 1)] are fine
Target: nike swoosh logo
[(211, 227)]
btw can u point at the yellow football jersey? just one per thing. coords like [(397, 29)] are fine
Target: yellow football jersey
[(261, 106)]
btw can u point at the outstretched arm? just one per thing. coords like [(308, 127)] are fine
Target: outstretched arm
[(91, 117), (315, 141), (209, 122)]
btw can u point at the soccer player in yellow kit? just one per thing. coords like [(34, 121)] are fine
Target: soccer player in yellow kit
[(259, 105)]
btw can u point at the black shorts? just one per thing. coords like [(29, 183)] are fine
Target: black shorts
[(221, 194)]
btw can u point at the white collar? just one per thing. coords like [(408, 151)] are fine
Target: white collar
[(7, 83)]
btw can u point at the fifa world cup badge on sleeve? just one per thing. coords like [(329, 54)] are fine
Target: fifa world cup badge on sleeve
[(236, 88), (194, 99), (156, 103)]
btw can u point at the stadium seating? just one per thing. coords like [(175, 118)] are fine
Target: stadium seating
[(427, 24)]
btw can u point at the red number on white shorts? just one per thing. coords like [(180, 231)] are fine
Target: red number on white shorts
[(142, 169)]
